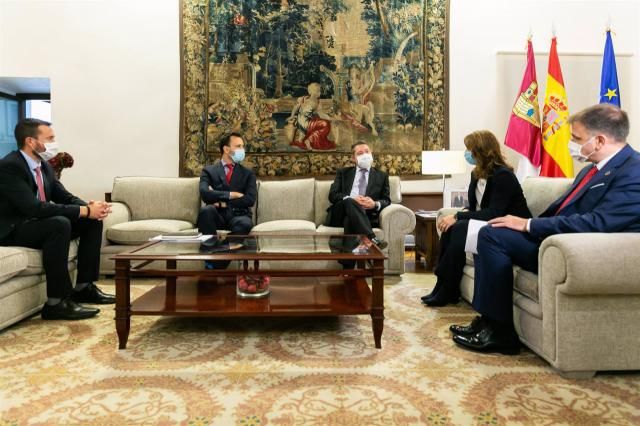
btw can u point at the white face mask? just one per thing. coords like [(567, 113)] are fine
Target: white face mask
[(364, 160), (51, 150), (575, 150)]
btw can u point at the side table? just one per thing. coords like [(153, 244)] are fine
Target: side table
[(426, 244)]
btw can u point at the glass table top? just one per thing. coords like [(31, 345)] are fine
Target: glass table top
[(262, 244)]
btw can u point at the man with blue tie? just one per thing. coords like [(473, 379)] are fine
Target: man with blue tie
[(38, 212), (229, 191), (604, 197), (358, 195)]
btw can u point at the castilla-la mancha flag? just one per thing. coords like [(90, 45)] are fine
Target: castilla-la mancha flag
[(556, 132), (523, 132)]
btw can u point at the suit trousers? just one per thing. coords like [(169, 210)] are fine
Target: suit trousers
[(352, 217), (498, 250), (53, 235), (451, 260), (211, 219)]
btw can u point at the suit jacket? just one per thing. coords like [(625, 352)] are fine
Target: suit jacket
[(242, 180), (377, 189), (18, 193), (610, 202), (502, 196)]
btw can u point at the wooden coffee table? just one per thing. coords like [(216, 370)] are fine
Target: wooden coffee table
[(294, 291)]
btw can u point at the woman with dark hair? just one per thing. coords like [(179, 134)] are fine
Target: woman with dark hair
[(494, 191)]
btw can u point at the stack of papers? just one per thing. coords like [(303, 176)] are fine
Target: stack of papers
[(177, 238), (471, 244), (427, 213)]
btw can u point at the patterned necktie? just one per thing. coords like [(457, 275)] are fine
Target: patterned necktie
[(229, 172), (585, 179), (40, 184), (362, 183)]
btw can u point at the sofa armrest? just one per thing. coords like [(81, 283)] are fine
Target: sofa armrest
[(397, 219), (119, 213), (447, 210), (591, 263), (444, 212)]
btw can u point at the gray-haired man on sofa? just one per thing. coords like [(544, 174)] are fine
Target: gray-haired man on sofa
[(604, 197), (358, 195)]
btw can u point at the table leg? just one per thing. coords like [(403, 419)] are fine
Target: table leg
[(170, 292), (432, 245), (377, 302), (123, 302)]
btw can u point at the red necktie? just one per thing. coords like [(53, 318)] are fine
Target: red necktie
[(40, 184), (585, 179), (229, 172)]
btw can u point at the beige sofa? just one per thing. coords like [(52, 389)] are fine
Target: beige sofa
[(147, 206), (581, 311), (23, 288)]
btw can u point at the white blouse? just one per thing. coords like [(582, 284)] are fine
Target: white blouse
[(482, 184)]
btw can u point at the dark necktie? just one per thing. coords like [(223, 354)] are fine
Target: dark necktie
[(362, 183), (229, 172), (585, 179), (40, 184)]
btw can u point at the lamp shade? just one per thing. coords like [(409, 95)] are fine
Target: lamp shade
[(443, 162)]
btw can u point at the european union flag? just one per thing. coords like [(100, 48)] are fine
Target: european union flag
[(609, 88)]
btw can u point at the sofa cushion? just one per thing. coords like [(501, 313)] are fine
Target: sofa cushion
[(285, 227), (468, 258), (147, 197), (540, 192), (526, 283), (290, 199), (12, 261), (395, 191), (321, 200), (139, 231), (34, 259), (323, 229)]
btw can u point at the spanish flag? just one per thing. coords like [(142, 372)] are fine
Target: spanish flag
[(556, 133)]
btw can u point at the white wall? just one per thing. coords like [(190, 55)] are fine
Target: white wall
[(115, 77), (479, 97), (114, 69)]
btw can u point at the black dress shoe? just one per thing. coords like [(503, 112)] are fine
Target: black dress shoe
[(474, 327), (438, 288), (92, 294), (441, 300), (489, 340), (382, 244), (427, 297), (67, 310)]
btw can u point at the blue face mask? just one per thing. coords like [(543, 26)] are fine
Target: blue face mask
[(237, 155), (469, 158)]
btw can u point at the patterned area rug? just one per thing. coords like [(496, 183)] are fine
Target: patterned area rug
[(322, 371)]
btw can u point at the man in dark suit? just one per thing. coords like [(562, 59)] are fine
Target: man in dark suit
[(38, 212), (604, 197), (358, 195), (229, 191)]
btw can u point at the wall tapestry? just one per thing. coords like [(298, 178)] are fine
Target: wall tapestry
[(302, 80)]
